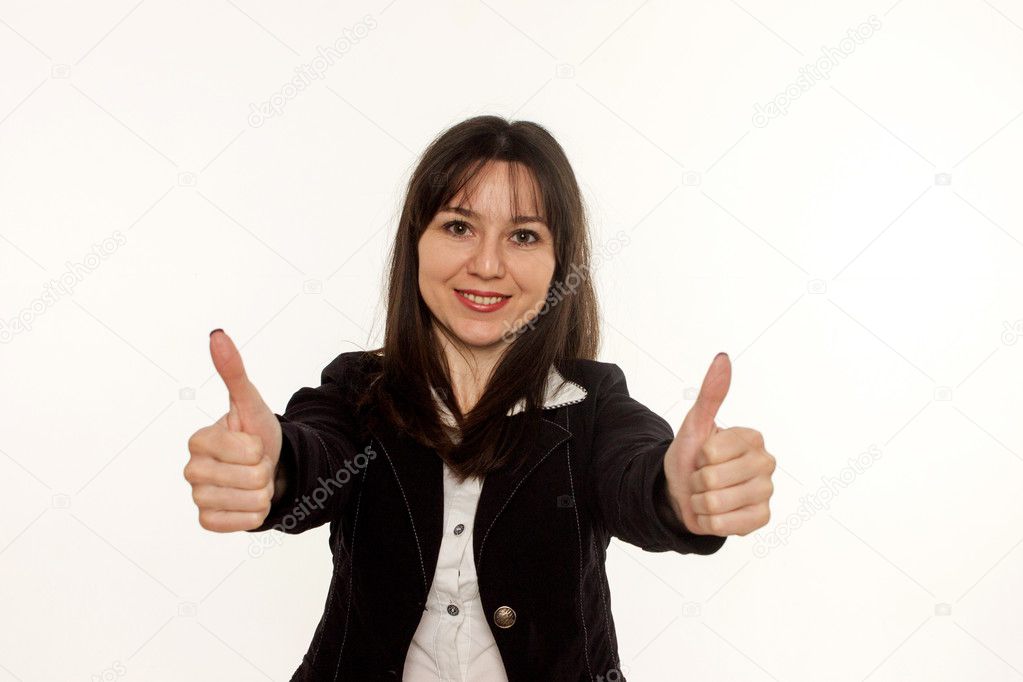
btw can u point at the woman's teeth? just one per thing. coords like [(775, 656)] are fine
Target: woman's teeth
[(482, 300)]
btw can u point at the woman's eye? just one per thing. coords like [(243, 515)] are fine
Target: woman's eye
[(528, 233), (456, 223)]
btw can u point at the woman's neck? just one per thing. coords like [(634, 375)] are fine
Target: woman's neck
[(470, 370)]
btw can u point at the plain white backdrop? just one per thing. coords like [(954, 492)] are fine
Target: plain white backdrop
[(827, 191)]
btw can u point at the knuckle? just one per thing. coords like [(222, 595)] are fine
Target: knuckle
[(711, 450), (253, 520), (699, 503), (192, 471), (204, 519), (714, 524), (199, 438), (256, 477), (712, 501), (250, 447)]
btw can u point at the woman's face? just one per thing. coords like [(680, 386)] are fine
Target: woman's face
[(502, 258)]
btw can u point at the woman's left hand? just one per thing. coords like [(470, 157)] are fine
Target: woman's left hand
[(718, 480)]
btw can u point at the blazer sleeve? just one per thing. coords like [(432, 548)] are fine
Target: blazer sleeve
[(318, 452), (627, 467)]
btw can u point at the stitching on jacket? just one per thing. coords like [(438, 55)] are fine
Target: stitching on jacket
[(621, 482), (408, 509), (330, 596), (512, 494), (330, 459), (607, 620), (569, 402), (351, 571), (322, 444), (579, 539), (326, 615)]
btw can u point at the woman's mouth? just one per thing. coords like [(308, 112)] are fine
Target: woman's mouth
[(483, 304)]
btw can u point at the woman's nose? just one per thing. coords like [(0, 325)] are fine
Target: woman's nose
[(487, 260)]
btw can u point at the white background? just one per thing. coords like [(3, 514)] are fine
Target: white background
[(859, 257)]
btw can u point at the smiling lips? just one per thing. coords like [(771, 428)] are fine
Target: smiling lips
[(481, 301)]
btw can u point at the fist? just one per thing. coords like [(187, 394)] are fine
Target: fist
[(232, 463), (718, 480)]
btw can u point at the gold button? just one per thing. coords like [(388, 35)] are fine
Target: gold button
[(504, 617)]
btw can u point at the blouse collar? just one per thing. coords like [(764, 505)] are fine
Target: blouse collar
[(558, 391)]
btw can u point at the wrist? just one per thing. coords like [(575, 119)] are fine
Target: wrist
[(280, 483), (664, 504)]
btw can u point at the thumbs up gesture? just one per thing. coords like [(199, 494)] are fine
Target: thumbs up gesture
[(233, 461), (718, 480)]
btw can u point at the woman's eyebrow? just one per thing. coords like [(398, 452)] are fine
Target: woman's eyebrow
[(517, 220)]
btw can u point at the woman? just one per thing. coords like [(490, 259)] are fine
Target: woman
[(474, 468)]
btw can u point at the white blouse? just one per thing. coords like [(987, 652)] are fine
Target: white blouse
[(453, 642)]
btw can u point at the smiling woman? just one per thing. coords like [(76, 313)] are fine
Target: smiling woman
[(487, 457), (484, 275), (493, 218)]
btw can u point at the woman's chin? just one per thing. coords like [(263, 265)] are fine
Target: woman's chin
[(482, 336)]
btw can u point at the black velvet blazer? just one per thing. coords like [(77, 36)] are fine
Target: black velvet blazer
[(594, 471)]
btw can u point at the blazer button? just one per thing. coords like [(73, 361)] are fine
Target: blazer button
[(504, 617)]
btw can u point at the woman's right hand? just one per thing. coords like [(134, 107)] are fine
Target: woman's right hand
[(233, 462)]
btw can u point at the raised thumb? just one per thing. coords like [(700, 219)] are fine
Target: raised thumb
[(700, 419), (245, 400)]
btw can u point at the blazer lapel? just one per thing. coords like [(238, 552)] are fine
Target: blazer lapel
[(420, 475), (499, 486)]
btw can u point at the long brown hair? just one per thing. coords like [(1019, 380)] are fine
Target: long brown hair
[(567, 327)]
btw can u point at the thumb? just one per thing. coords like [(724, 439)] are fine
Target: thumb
[(245, 401), (699, 422)]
